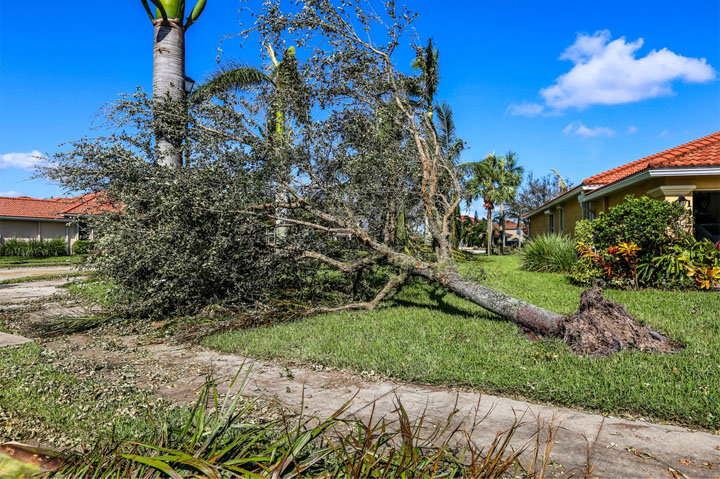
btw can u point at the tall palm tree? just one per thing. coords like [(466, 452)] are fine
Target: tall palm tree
[(509, 179), (495, 180), (169, 68), (451, 146), (426, 63), (483, 184)]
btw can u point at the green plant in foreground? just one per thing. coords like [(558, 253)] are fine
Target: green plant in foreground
[(549, 253), (215, 442)]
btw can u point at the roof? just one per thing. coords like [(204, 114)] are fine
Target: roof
[(704, 151), (54, 209), (699, 153), (25, 207)]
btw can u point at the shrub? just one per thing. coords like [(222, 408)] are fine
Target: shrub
[(549, 253), (694, 263), (654, 226), (83, 247), (33, 248)]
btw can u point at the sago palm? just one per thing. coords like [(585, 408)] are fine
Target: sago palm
[(169, 68)]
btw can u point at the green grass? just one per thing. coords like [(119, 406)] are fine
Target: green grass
[(22, 261), (38, 398), (44, 277), (428, 336)]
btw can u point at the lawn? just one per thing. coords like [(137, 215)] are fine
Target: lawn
[(22, 261), (425, 335), (41, 398)]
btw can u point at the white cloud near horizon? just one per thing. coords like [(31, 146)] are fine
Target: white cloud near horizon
[(23, 161), (576, 128), (607, 72), (11, 193), (632, 129)]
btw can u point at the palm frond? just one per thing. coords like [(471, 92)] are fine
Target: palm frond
[(229, 78)]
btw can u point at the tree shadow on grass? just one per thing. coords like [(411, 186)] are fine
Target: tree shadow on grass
[(434, 298)]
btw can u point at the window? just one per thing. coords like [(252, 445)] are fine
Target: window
[(561, 219), (706, 213), (551, 223), (587, 211)]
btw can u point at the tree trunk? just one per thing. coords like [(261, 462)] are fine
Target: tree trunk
[(489, 231), (525, 314), (502, 228), (169, 87)]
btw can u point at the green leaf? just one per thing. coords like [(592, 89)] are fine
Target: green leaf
[(196, 12)]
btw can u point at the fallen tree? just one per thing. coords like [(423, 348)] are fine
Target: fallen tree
[(358, 164)]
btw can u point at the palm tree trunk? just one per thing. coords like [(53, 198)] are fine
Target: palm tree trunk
[(168, 88), (489, 231), (502, 227)]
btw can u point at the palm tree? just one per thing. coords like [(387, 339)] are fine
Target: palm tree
[(169, 68), (426, 62), (451, 147), (284, 78), (483, 184), (495, 180), (509, 179)]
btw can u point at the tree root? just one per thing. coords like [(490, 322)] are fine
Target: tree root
[(601, 327)]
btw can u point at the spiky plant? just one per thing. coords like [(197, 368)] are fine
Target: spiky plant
[(169, 69)]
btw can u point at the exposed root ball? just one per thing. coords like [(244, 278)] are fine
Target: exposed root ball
[(601, 327)]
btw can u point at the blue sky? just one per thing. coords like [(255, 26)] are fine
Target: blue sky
[(576, 86)]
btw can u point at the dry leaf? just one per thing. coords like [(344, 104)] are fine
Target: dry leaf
[(686, 462)]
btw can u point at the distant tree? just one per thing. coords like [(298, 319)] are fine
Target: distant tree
[(533, 193)]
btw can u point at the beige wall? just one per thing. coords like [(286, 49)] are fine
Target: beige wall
[(573, 210), (32, 229)]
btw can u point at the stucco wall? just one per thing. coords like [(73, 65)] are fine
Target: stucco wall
[(50, 230), (32, 229)]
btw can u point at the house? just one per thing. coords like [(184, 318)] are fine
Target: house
[(35, 219), (688, 174)]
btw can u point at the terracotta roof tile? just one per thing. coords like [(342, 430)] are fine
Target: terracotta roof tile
[(704, 151), (56, 208), (31, 208)]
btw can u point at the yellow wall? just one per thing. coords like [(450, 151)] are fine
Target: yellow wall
[(573, 209)]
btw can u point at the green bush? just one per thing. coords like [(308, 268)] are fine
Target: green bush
[(550, 253), (655, 226), (83, 247), (33, 248)]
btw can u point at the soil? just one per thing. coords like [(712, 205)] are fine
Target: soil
[(601, 327)]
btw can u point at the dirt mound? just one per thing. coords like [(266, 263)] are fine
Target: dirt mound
[(601, 327)]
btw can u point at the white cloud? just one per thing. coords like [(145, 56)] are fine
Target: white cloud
[(664, 133), (10, 193), (578, 129), (24, 161), (632, 129), (608, 73), (525, 109)]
